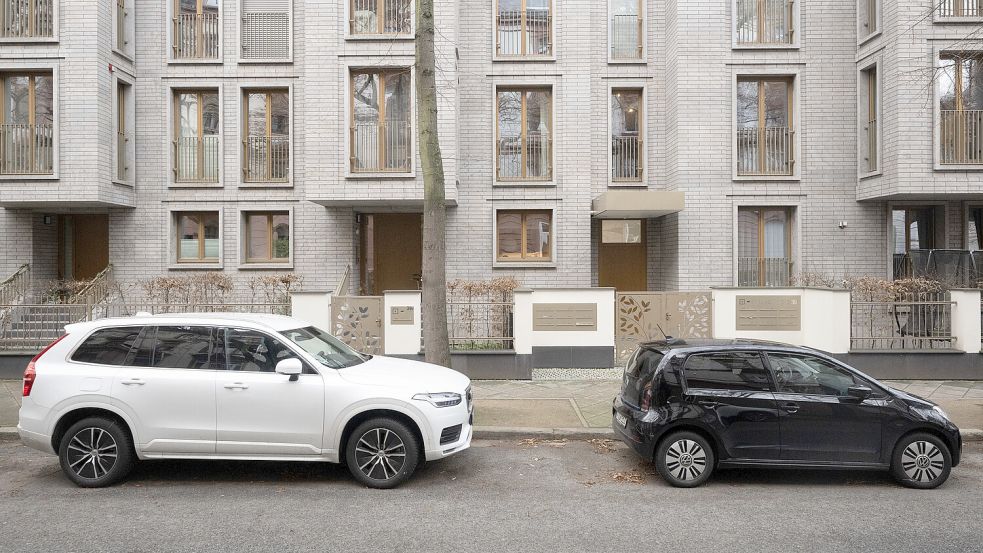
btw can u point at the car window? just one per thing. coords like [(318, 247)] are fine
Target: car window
[(805, 374), (182, 347), (328, 350), (108, 346), (742, 371), (249, 350)]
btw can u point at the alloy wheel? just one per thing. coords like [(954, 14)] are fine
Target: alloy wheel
[(686, 459), (380, 454), (922, 461), (92, 453)]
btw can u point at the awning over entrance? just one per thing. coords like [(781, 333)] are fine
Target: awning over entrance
[(636, 204)]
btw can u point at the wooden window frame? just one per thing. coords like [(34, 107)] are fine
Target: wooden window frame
[(380, 20), (381, 75), (761, 119), (641, 157), (268, 114), (872, 77), (201, 237), (122, 136), (523, 133), (761, 211), (200, 132), (523, 26), (199, 56), (269, 237), (32, 115), (523, 213)]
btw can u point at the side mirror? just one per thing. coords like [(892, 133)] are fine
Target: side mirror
[(291, 367), (859, 392)]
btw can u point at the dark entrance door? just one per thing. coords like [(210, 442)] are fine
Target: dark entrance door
[(391, 255)]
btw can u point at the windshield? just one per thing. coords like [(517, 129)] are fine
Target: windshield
[(327, 349)]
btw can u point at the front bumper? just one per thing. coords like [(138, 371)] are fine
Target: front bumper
[(441, 419)]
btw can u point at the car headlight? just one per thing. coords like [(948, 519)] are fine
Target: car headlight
[(440, 399), (941, 412)]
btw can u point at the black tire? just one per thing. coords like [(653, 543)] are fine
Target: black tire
[(921, 461), (382, 453), (106, 437), (684, 459)]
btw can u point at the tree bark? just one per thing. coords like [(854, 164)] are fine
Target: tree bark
[(434, 309)]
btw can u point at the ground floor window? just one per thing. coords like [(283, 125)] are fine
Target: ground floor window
[(764, 242), (524, 235), (267, 236), (914, 233), (197, 237)]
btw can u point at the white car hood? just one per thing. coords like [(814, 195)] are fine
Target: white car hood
[(395, 372)]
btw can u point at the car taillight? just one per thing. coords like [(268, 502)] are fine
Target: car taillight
[(646, 401), (30, 373)]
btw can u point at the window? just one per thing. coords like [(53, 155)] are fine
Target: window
[(330, 351), (727, 371), (196, 141), (265, 30), (764, 243), (124, 27), (252, 351), (195, 30), (266, 136), (381, 17), (524, 28), (382, 116), (124, 131), (804, 374), (524, 134), (524, 235), (961, 108), (109, 346), (27, 18), (870, 106), (764, 127), (914, 232), (626, 30), (177, 347), (197, 237), (26, 124), (868, 21), (764, 21), (267, 237), (974, 242), (627, 144), (960, 8), (618, 231)]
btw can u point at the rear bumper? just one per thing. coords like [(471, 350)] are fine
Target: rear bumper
[(35, 440), (633, 432), (32, 427)]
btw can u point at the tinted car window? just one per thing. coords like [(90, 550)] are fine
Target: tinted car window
[(805, 374), (109, 346), (182, 347), (248, 350), (727, 371)]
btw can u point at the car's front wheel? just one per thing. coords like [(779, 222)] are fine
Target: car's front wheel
[(96, 452), (921, 461), (382, 453), (684, 459)]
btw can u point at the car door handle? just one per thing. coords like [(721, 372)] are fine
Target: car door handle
[(708, 403), (790, 407), (236, 386), (132, 382)]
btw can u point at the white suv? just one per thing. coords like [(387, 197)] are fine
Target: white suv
[(235, 386)]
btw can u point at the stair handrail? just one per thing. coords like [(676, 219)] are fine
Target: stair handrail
[(95, 290), (16, 286), (342, 288)]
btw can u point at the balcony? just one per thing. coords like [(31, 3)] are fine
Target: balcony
[(266, 159), (961, 137), (764, 271), (27, 149), (381, 147), (27, 18), (960, 8), (764, 22), (529, 159), (196, 159), (525, 33), (626, 159), (396, 17), (196, 36), (765, 151), (626, 37), (954, 268)]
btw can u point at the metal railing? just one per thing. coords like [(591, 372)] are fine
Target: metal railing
[(396, 17), (381, 147), (15, 287), (266, 158), (920, 321), (528, 33), (764, 22), (626, 158), (764, 271), (121, 24), (872, 160), (626, 37), (961, 136), (122, 156), (531, 159), (27, 18), (96, 290), (960, 8), (196, 36), (196, 159), (27, 149), (765, 151), (483, 323)]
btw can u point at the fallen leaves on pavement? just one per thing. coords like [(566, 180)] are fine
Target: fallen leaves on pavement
[(631, 477), (536, 442), (602, 445)]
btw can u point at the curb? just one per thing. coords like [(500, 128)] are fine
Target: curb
[(497, 432)]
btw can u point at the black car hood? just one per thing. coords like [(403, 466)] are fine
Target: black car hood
[(912, 399)]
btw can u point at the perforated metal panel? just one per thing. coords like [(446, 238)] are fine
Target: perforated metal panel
[(265, 31)]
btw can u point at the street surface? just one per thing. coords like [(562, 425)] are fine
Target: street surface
[(503, 495)]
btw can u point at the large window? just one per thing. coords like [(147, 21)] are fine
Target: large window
[(382, 121), (869, 108), (524, 235), (765, 137), (764, 243), (197, 237), (764, 21), (26, 124), (181, 347), (124, 131), (196, 125), (626, 30), (867, 18), (727, 371), (524, 28), (914, 231), (267, 237), (974, 236), (524, 134), (195, 29), (627, 147), (27, 18), (961, 108), (266, 136), (109, 346), (124, 26), (381, 17)]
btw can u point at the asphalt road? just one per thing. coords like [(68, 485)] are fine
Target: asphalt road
[(499, 496)]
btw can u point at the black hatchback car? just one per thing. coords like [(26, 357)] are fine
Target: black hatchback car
[(693, 406)]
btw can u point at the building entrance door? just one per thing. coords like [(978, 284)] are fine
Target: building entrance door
[(83, 246), (622, 256), (391, 252)]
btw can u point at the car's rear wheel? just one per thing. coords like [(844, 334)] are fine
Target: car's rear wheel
[(921, 461), (96, 452), (684, 459), (382, 453)]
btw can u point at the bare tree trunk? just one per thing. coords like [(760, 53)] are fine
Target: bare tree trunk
[(435, 341)]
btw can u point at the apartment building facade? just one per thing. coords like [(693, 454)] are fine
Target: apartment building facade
[(640, 144)]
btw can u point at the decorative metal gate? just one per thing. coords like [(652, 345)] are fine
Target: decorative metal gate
[(357, 321), (640, 314)]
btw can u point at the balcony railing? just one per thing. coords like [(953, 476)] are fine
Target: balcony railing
[(196, 159), (27, 18), (27, 149), (396, 17), (626, 37), (872, 145), (528, 33), (765, 151), (120, 24), (381, 147), (626, 158), (122, 161), (266, 159), (953, 268), (529, 161), (764, 22), (960, 8), (961, 136), (764, 271), (196, 36)]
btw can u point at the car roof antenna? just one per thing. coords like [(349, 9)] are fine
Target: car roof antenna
[(666, 336)]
